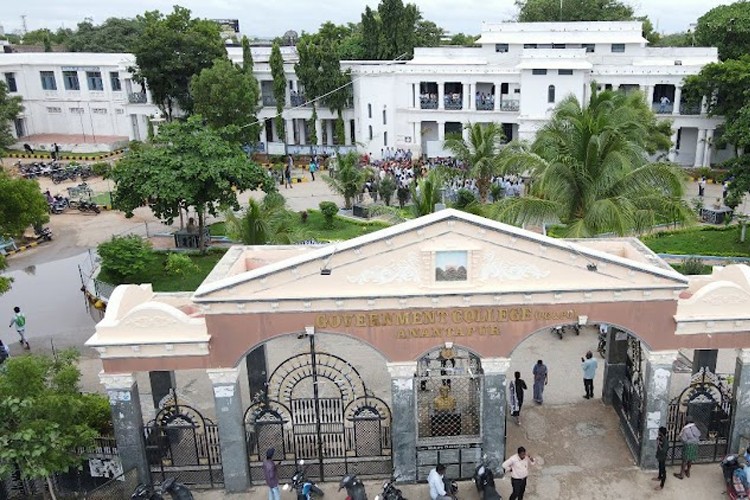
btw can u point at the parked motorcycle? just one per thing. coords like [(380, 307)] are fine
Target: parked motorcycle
[(88, 206), (58, 204), (390, 491), (176, 491), (301, 485), (484, 480), (355, 490), (43, 233), (451, 488), (734, 487)]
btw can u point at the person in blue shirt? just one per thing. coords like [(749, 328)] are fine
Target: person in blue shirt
[(741, 473), (588, 366)]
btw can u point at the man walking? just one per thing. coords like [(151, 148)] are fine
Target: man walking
[(690, 436), (288, 173), (540, 380), (19, 320), (272, 478), (662, 447), (518, 466), (588, 366), (517, 388)]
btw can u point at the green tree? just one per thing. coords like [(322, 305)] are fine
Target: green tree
[(224, 96), (124, 257), (188, 165), (426, 193), (397, 29), (591, 171), (22, 204), (329, 210), (263, 223), (116, 34), (276, 62), (680, 39), (481, 152), (253, 125), (427, 34), (386, 188), (10, 108), (370, 33), (726, 27), (463, 40), (44, 418), (532, 11), (170, 51), (350, 178), (5, 281)]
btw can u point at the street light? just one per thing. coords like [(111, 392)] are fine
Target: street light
[(310, 334)]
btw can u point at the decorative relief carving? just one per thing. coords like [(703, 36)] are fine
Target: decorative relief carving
[(496, 269), (717, 299), (400, 271), (154, 320)]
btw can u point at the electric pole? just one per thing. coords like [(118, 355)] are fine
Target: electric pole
[(23, 23)]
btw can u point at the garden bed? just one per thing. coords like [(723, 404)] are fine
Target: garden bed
[(710, 241)]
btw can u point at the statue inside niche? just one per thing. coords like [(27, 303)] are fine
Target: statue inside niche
[(444, 402)]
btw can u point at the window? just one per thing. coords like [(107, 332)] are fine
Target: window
[(529, 45), (48, 80), (618, 47), (385, 138), (501, 47), (558, 46), (551, 94), (588, 46), (385, 120), (503, 88), (370, 130), (54, 110), (119, 111), (70, 79), (538, 71), (291, 84), (114, 80), (99, 111), (369, 111), (10, 80), (94, 79), (564, 72), (76, 111)]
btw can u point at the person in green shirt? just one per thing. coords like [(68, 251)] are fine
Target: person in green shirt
[(19, 320)]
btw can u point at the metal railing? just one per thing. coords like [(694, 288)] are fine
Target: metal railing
[(510, 105), (690, 108), (297, 100), (428, 104), (485, 106), (454, 103), (137, 98), (662, 109)]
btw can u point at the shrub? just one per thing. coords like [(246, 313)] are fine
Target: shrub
[(693, 266), (402, 194), (179, 264), (101, 168), (464, 198), (496, 192), (329, 210), (124, 257), (386, 188)]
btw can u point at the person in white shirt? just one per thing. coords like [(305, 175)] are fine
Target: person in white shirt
[(437, 486), (518, 466)]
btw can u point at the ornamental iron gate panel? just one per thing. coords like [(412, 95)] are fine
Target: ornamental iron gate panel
[(628, 398), (343, 429), (449, 383), (708, 399), (182, 444)]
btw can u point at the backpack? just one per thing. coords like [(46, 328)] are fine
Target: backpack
[(20, 320)]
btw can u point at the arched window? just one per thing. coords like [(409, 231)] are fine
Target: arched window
[(551, 94), (370, 129), (369, 111)]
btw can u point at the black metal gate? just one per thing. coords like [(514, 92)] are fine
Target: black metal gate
[(182, 444), (708, 400), (628, 397), (342, 429)]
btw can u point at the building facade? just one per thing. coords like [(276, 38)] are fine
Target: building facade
[(515, 76)]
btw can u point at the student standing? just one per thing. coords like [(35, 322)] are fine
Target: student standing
[(588, 366), (271, 475), (662, 447), (517, 388), (540, 380)]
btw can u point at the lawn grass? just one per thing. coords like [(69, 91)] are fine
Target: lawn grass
[(163, 282), (102, 198), (718, 241), (316, 228)]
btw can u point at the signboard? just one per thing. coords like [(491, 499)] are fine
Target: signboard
[(80, 68)]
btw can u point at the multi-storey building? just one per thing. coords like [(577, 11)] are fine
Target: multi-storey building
[(516, 75)]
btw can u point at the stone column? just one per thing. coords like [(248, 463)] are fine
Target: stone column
[(301, 132), (699, 148), (404, 426), (493, 409), (162, 382), (468, 96), (650, 95), (677, 100), (658, 375), (318, 132), (329, 133), (498, 95), (740, 430), (289, 129), (125, 403), (441, 95), (347, 132), (441, 132), (614, 364), (672, 156), (704, 105), (708, 143), (229, 415)]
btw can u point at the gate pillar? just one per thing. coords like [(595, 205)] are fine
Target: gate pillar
[(230, 415), (658, 376), (127, 419), (493, 409), (740, 430), (404, 427)]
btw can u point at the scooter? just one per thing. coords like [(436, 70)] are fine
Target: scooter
[(484, 480), (355, 490), (390, 491), (734, 487), (43, 234), (177, 491), (303, 486)]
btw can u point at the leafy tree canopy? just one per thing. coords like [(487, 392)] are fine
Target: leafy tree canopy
[(276, 62), (10, 108), (481, 152), (726, 27), (187, 165), (22, 204), (116, 34), (462, 39), (170, 51)]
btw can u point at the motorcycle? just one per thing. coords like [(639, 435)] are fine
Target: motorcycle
[(303, 486), (176, 491), (602, 346), (43, 233), (88, 206), (355, 490), (484, 480), (390, 491), (734, 488), (451, 488)]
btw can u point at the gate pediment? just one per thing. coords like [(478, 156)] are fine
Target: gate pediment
[(446, 253)]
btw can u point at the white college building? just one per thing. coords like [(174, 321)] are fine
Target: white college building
[(515, 76)]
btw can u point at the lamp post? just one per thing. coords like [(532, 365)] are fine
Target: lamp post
[(310, 334)]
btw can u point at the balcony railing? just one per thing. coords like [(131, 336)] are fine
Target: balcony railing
[(690, 108), (510, 105), (297, 100), (662, 108), (428, 103), (137, 98), (455, 101), (269, 100), (486, 105)]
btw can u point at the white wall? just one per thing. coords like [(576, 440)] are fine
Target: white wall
[(534, 89)]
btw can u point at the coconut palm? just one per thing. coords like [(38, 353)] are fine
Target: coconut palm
[(350, 178), (426, 193), (591, 172), (481, 152), (263, 223)]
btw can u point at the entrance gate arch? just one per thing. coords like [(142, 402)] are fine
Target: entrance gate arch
[(316, 407)]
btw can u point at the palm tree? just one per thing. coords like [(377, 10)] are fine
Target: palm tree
[(349, 179), (590, 170), (426, 193), (481, 152), (263, 223)]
